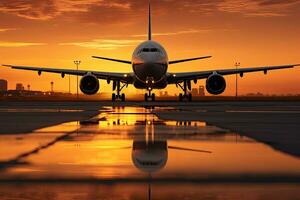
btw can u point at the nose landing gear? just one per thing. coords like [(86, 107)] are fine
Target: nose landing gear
[(150, 96), (116, 97)]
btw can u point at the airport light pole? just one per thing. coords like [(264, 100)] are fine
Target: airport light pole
[(52, 88), (237, 65), (69, 84), (77, 63)]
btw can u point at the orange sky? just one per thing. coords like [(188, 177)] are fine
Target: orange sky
[(52, 33)]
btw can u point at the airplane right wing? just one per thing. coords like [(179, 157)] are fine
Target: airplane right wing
[(174, 78), (188, 60)]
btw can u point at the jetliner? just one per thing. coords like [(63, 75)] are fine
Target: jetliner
[(150, 71)]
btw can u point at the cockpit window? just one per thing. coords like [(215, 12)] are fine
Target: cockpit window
[(149, 50), (154, 50)]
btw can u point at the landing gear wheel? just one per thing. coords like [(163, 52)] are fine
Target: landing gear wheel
[(149, 97), (123, 97), (180, 97), (190, 97), (113, 97), (153, 97)]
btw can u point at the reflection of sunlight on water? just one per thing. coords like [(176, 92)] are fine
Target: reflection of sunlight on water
[(21, 170), (13, 145), (129, 110), (65, 127), (126, 145), (192, 123)]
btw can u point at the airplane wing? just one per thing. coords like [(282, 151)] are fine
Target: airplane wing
[(188, 60), (113, 59), (174, 78), (123, 77)]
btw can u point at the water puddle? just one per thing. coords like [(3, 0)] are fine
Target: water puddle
[(131, 144)]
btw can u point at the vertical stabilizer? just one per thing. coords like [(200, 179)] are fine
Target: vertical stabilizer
[(150, 21)]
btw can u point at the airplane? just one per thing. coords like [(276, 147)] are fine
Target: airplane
[(150, 71)]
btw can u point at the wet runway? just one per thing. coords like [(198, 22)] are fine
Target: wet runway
[(130, 153)]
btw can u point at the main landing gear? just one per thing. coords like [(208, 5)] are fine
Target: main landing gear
[(149, 96), (185, 96), (117, 96)]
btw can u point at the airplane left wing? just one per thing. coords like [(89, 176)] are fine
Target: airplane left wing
[(123, 77), (174, 78)]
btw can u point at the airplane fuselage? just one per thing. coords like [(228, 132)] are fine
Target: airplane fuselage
[(150, 65)]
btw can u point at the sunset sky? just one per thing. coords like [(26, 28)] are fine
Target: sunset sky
[(53, 33)]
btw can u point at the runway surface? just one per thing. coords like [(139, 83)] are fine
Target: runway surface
[(203, 151)]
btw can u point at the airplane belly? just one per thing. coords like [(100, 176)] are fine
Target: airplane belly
[(162, 84), (153, 71)]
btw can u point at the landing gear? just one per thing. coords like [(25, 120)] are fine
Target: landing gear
[(185, 96), (150, 96), (190, 97), (123, 97), (118, 96)]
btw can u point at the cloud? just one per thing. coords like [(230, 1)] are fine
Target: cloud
[(104, 44), (19, 44), (85, 5), (277, 2), (49, 9), (6, 29), (263, 8), (95, 10), (30, 9)]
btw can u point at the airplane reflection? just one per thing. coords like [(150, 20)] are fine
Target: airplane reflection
[(151, 153)]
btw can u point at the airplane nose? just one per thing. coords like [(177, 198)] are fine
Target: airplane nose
[(150, 59)]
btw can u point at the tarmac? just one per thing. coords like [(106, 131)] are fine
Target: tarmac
[(136, 150), (274, 123)]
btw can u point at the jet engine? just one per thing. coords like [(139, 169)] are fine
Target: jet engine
[(215, 84), (89, 84)]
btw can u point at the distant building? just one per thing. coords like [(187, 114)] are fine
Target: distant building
[(3, 85), (201, 91), (198, 92), (19, 87), (195, 92), (163, 93)]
